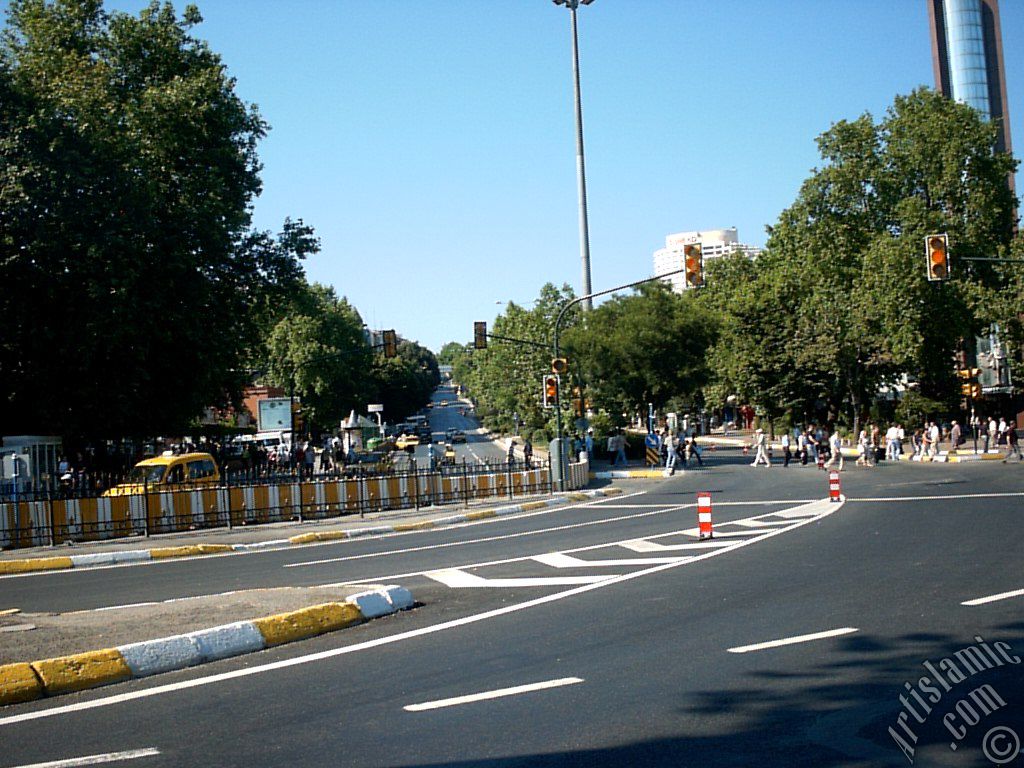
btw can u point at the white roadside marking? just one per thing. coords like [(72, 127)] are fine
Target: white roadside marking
[(485, 539), (793, 640), (496, 694), (562, 560), (109, 757), (719, 534), (644, 545), (637, 545), (993, 598), (891, 499), (456, 579), (107, 701), (756, 523)]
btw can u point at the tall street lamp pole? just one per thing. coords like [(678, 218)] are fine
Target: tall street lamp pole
[(581, 176)]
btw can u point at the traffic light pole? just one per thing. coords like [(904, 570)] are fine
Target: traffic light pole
[(562, 458)]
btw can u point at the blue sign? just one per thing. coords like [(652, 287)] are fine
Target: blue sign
[(652, 440)]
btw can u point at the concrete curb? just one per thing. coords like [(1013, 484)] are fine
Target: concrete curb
[(50, 677), (954, 458), (626, 474), (29, 565)]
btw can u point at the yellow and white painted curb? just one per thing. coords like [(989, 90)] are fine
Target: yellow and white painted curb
[(627, 474), (957, 457), (9, 567), (51, 677)]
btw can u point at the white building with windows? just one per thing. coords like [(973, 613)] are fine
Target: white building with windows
[(714, 242)]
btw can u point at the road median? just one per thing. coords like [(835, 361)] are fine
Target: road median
[(27, 681)]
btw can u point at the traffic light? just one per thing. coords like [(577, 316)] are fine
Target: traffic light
[(390, 344), (550, 391), (937, 251), (693, 258), (480, 335), (559, 365), (970, 386), (577, 402)]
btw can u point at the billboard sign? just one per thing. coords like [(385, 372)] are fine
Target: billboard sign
[(274, 414)]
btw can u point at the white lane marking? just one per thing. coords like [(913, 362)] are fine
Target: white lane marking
[(827, 509), (637, 545), (728, 534), (456, 579), (756, 523), (485, 539), (793, 640), (496, 694), (187, 560), (108, 757), (993, 598), (937, 498), (562, 560)]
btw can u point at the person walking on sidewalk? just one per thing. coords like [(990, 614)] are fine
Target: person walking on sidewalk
[(760, 448), (618, 444), (786, 453), (835, 444), (671, 443), (934, 436), (801, 445), (892, 443), (1012, 448)]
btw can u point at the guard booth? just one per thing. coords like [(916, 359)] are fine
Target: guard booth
[(29, 463)]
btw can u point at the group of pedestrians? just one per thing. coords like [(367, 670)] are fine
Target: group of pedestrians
[(819, 446), (676, 446)]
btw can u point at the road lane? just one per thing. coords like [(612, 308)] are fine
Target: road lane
[(661, 687)]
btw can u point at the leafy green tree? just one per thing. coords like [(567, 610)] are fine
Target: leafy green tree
[(321, 354), (648, 347), (506, 377), (128, 171), (839, 303)]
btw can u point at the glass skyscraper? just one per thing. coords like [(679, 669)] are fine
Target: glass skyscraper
[(967, 54)]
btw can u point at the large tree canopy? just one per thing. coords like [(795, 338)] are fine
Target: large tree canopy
[(128, 269), (840, 304)]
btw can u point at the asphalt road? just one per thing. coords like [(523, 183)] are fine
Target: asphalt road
[(478, 448), (651, 649)]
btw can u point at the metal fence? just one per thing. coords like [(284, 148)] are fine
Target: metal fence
[(41, 519)]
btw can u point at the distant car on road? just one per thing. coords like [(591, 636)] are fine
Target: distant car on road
[(407, 441), (455, 436)]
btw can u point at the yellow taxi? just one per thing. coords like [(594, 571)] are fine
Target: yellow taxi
[(406, 441), (169, 470)]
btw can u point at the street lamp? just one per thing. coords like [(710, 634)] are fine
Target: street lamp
[(581, 176)]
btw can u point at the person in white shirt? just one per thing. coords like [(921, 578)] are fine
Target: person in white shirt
[(892, 443), (761, 444), (1001, 431), (993, 434), (786, 453), (835, 447), (933, 434)]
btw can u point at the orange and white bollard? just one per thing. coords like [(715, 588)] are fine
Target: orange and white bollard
[(833, 486), (704, 515)]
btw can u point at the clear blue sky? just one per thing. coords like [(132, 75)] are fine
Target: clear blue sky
[(431, 143)]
